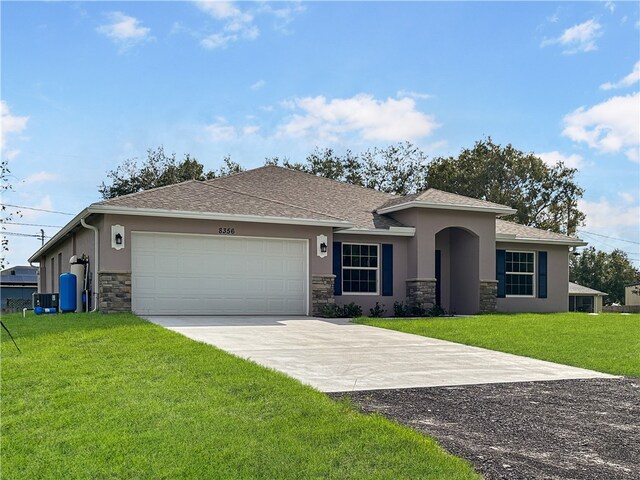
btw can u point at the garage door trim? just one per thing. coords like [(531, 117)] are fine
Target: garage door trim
[(304, 241)]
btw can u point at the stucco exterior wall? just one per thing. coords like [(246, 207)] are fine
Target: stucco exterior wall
[(367, 301), (630, 295), (428, 222), (77, 242), (557, 281), (119, 261)]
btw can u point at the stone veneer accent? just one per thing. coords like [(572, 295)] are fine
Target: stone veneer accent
[(114, 292), (488, 294), (421, 292), (321, 292)]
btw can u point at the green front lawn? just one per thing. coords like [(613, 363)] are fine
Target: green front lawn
[(606, 342), (114, 397)]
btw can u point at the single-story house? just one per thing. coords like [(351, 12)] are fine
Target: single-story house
[(632, 294), (585, 299), (278, 241), (17, 285)]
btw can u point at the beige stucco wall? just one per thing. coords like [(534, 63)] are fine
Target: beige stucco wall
[(631, 298), (557, 281), (79, 241), (367, 301), (428, 222), (112, 260)]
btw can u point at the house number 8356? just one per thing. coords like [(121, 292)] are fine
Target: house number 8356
[(226, 231)]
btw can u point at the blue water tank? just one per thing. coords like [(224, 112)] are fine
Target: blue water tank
[(68, 298)]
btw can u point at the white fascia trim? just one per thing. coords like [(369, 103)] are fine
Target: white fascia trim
[(156, 212), (391, 231), (447, 206), (58, 236), (510, 239)]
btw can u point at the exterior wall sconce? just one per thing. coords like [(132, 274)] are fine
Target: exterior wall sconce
[(321, 242), (117, 237)]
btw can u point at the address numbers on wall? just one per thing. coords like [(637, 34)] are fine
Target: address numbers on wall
[(227, 231)]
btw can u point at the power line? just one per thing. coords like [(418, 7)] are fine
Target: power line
[(37, 209), (17, 234), (607, 236), (31, 224)]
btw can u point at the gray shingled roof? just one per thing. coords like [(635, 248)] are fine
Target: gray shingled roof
[(328, 197), (522, 232), (575, 289), (435, 196), (195, 196), (272, 191)]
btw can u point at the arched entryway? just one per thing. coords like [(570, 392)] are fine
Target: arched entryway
[(457, 260)]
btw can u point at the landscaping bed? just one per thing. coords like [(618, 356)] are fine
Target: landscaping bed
[(567, 429)]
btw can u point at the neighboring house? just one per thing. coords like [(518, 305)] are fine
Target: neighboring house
[(584, 299), (632, 294), (279, 241), (17, 285)]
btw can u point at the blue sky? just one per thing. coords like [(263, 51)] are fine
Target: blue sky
[(85, 86)]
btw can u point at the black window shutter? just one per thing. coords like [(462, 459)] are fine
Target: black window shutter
[(387, 269), (337, 267), (501, 272), (542, 274)]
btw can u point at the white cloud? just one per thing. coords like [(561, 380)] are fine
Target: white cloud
[(610, 6), (221, 131), (40, 177), (124, 30), (605, 214), (553, 158), (238, 25), (626, 197), (363, 115), (579, 38), (631, 79), (609, 127), (250, 129), (11, 124), (44, 204), (258, 85), (412, 94)]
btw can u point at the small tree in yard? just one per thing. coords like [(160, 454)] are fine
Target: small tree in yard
[(7, 215)]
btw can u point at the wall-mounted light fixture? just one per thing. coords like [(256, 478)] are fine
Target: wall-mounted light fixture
[(117, 237), (322, 246)]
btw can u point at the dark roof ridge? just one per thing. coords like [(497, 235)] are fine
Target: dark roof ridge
[(270, 200), (128, 195), (293, 170)]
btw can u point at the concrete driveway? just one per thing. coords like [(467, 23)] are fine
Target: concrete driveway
[(338, 356)]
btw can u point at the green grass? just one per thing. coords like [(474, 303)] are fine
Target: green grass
[(114, 397), (607, 342)]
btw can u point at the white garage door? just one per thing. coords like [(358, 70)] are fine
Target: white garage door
[(176, 274)]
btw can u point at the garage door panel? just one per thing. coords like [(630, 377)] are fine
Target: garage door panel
[(198, 274)]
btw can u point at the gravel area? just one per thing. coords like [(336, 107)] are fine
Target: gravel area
[(569, 429)]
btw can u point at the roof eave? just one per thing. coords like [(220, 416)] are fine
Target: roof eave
[(156, 212), (391, 231), (500, 211), (61, 233), (507, 238)]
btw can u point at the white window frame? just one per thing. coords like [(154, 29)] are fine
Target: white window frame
[(377, 269), (533, 274)]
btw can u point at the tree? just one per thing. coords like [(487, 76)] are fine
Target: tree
[(544, 197), (398, 169), (607, 272), (159, 170), (7, 215)]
